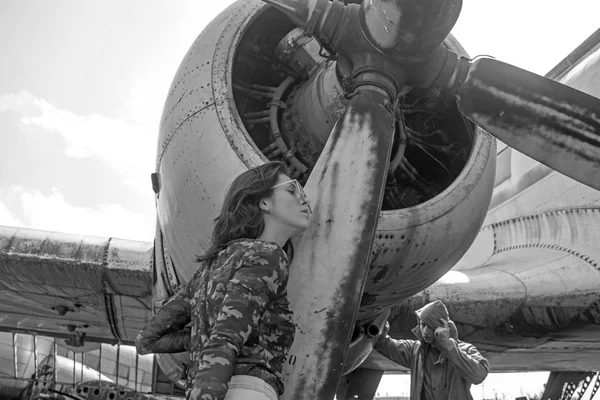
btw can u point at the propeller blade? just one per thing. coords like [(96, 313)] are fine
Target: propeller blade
[(328, 272), (552, 123)]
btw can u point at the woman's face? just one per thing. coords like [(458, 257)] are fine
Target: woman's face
[(288, 204)]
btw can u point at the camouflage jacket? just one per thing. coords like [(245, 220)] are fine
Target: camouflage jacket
[(240, 319)]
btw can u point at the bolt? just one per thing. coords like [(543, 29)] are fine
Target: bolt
[(62, 310), (346, 79)]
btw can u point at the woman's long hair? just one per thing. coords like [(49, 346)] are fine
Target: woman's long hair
[(241, 216)]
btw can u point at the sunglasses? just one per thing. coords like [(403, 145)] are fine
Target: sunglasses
[(298, 191)]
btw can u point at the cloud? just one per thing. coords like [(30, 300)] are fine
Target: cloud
[(51, 212), (127, 148), (7, 218)]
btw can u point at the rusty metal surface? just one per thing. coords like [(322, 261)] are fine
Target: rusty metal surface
[(416, 246), (520, 195), (70, 284), (546, 120), (352, 169), (413, 29)]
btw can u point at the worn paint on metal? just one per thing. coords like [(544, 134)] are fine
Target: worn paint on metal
[(351, 170), (571, 231), (554, 124), (51, 281), (416, 246), (412, 30)]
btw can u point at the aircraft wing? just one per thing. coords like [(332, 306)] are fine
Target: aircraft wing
[(80, 288)]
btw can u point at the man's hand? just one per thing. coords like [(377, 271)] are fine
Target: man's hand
[(385, 329), (442, 336), (383, 334)]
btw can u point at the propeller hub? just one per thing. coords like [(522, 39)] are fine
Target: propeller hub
[(408, 30), (392, 45)]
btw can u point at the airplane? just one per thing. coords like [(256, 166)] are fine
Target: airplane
[(375, 106)]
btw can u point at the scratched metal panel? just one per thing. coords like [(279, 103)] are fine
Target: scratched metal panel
[(26, 304), (352, 169), (550, 190), (203, 145), (415, 247), (34, 271), (55, 244), (556, 191), (546, 280), (52, 288), (125, 259), (571, 230), (94, 323), (84, 278), (566, 282)]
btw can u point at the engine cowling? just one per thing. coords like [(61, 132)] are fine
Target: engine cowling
[(213, 128)]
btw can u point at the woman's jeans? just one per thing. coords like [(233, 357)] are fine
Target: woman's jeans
[(246, 387)]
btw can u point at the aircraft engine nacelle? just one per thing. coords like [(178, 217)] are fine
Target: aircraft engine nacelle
[(252, 88)]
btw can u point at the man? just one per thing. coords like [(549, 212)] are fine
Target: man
[(441, 366)]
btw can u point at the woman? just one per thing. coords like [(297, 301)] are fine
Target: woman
[(237, 304)]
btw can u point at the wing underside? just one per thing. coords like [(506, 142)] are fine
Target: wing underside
[(74, 287)]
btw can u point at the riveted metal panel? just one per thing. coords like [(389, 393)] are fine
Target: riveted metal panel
[(72, 283)]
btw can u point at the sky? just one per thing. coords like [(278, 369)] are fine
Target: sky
[(82, 85)]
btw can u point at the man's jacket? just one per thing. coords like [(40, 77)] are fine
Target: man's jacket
[(453, 370)]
